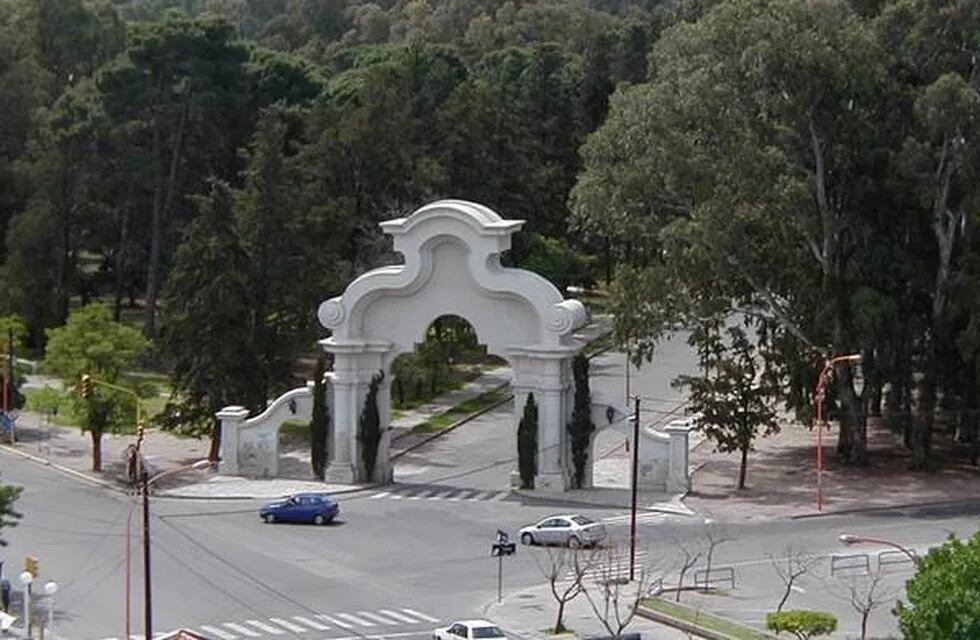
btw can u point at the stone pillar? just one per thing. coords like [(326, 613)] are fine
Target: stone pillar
[(231, 421), (678, 475), (544, 372), (342, 448)]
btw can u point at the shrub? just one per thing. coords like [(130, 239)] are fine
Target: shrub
[(805, 624)]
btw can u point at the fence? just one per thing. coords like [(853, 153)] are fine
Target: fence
[(850, 563), (705, 578)]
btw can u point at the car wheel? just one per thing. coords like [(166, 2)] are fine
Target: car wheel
[(573, 542), (527, 538), (318, 519), (269, 518)]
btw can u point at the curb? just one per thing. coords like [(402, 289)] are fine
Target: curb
[(692, 627), (908, 505), (455, 425), (63, 469)]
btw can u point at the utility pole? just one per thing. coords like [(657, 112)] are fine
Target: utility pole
[(636, 461), (147, 588)]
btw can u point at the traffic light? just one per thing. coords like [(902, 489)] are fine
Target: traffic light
[(30, 566), (140, 427), (86, 385)]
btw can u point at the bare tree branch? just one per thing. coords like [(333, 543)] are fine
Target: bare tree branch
[(793, 565), (612, 597), (565, 570)]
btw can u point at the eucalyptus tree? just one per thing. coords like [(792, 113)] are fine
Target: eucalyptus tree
[(738, 177)]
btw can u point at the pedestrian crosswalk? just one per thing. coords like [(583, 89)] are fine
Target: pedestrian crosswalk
[(617, 569), (361, 623), (642, 517), (439, 492)]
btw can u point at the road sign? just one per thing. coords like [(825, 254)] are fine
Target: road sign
[(503, 549)]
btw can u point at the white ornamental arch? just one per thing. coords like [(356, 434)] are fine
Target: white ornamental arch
[(451, 251)]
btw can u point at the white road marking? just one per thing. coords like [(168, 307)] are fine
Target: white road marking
[(355, 619), (413, 612), (223, 635), (237, 628), (258, 624), (339, 623), (443, 495), (376, 617), (380, 495), (397, 496), (289, 626), (313, 624), (500, 496), (480, 495), (398, 616)]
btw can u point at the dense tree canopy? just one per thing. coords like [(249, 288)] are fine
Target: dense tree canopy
[(217, 167)]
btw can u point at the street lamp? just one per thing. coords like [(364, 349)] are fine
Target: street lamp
[(50, 588), (818, 395), (26, 578), (146, 483), (849, 539)]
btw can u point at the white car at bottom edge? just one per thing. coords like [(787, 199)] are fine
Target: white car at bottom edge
[(468, 630)]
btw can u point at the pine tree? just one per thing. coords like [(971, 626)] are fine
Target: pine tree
[(8, 516), (527, 444)]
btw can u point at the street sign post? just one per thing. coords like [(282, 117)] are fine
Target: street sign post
[(502, 547)]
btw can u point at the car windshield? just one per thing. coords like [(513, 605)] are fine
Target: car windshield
[(487, 632), (582, 520)]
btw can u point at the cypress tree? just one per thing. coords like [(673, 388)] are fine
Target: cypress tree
[(319, 421), (370, 426), (527, 443), (580, 429)]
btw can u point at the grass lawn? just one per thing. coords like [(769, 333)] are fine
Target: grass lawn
[(460, 411), (706, 620)]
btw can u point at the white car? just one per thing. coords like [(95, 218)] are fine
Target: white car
[(571, 530), (469, 630)]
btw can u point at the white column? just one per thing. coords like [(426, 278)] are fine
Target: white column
[(342, 446), (678, 475), (231, 421)]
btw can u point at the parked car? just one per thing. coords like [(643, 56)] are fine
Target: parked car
[(317, 508), (469, 629), (571, 530)]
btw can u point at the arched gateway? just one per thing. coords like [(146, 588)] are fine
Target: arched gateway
[(452, 267)]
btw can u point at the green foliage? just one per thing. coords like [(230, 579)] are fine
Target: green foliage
[(369, 427), (581, 428), (319, 420), (91, 342), (527, 443), (804, 624), (8, 515), (944, 595), (733, 400), (556, 261)]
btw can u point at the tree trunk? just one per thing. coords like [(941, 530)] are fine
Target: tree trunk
[(120, 265), (96, 450), (67, 206), (160, 211), (854, 420), (921, 433), (743, 465), (559, 625)]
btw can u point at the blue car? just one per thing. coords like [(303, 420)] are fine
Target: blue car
[(317, 508)]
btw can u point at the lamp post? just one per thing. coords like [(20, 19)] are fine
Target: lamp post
[(818, 395), (50, 588), (145, 484), (849, 539), (636, 462), (26, 578)]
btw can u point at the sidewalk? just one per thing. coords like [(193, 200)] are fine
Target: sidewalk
[(529, 613), (781, 477)]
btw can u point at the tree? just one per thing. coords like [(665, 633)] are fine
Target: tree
[(794, 564), (865, 594), (206, 329), (612, 598), (565, 569), (527, 443), (8, 516), (91, 343), (319, 420), (581, 428), (731, 401), (943, 597), (369, 427), (803, 624)]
